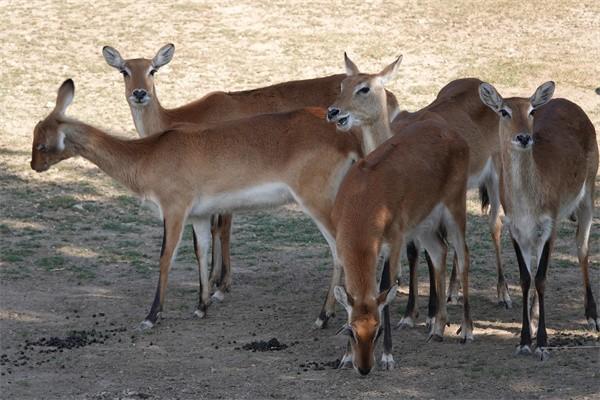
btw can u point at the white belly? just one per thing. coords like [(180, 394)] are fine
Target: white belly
[(261, 196)]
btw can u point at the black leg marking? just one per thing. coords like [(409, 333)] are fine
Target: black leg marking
[(525, 284), (164, 241), (201, 305), (540, 286), (432, 292), (156, 307), (413, 257), (385, 284), (590, 304)]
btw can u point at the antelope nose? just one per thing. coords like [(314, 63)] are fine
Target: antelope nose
[(332, 112), (364, 371), (139, 94), (523, 139)]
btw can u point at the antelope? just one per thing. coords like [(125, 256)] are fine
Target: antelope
[(151, 118), (457, 104), (193, 172), (411, 188), (549, 156)]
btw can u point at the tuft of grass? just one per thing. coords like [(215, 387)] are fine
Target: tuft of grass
[(59, 202), (52, 262)]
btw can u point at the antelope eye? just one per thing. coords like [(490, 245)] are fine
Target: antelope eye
[(42, 147), (532, 112), (125, 73), (504, 113), (364, 90), (152, 72)]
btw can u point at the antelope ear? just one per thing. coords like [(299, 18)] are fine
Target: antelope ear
[(387, 297), (490, 97), (164, 55), (389, 72), (66, 92), (351, 68), (112, 57), (542, 94)]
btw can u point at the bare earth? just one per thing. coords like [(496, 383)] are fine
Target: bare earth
[(77, 252)]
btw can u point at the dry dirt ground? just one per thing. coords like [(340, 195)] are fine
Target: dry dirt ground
[(78, 253)]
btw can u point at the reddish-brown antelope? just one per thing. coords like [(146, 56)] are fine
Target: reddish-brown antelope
[(549, 159), (191, 172), (151, 118), (457, 105), (411, 188)]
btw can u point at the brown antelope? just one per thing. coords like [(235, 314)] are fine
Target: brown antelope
[(189, 171), (458, 105), (411, 188), (549, 159), (151, 118)]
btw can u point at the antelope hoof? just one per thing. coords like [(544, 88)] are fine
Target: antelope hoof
[(503, 296), (542, 353), (387, 362), (435, 337), (594, 324), (346, 362), (218, 296), (145, 326), (406, 323), (465, 333), (523, 350), (321, 322), (199, 313)]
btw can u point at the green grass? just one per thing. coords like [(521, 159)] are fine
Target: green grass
[(51, 262)]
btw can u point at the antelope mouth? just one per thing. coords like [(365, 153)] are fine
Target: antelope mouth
[(522, 142), (343, 122), (139, 102)]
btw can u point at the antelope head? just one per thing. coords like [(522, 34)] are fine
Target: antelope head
[(48, 138), (516, 114), (364, 325), (362, 99), (139, 73)]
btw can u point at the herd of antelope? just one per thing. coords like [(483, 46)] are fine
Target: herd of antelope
[(378, 182)]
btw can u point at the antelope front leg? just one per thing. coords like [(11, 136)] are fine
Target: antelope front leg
[(412, 307), (454, 285), (390, 271), (202, 239), (433, 300), (524, 347), (496, 231), (584, 223), (224, 284), (540, 285), (328, 309), (437, 250), (173, 227)]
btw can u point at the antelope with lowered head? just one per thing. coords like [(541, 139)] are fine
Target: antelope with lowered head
[(190, 172), (549, 159), (151, 118), (389, 207), (411, 188)]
